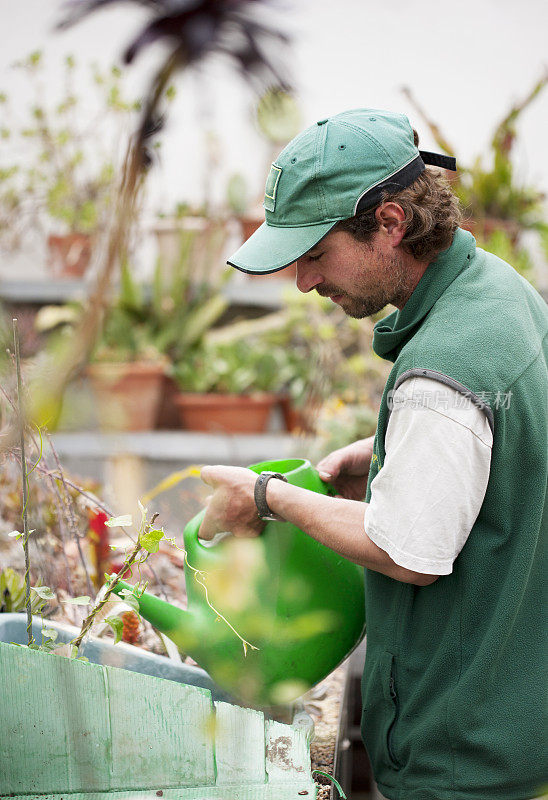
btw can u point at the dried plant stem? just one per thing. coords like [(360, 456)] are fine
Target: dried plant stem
[(56, 475), (88, 622), (58, 505), (21, 422), (94, 501), (440, 139), (69, 516)]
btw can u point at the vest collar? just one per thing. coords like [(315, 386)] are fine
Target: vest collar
[(392, 332)]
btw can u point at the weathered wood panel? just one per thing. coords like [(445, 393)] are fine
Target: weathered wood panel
[(239, 745), (77, 731)]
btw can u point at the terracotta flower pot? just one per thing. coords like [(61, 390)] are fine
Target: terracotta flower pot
[(168, 417), (128, 394), (295, 419), (225, 413), (69, 255)]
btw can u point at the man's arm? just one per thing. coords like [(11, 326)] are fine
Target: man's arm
[(335, 522), (338, 524)]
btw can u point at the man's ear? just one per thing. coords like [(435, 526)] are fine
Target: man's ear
[(391, 219)]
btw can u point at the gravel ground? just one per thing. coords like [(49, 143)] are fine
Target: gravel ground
[(323, 703)]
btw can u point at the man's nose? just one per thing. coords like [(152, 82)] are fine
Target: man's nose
[(307, 277)]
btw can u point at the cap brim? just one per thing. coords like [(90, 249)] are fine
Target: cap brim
[(271, 249)]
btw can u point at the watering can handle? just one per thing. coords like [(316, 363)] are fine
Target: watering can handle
[(299, 472), (197, 553)]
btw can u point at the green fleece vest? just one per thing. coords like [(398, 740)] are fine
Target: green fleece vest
[(455, 678)]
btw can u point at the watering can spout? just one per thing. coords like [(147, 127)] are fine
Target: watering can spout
[(179, 625)]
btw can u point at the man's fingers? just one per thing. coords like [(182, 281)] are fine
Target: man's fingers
[(210, 475), (207, 529), (327, 471)]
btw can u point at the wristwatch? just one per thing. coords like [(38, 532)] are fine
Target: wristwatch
[(260, 495)]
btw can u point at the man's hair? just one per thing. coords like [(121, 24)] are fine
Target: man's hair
[(432, 215)]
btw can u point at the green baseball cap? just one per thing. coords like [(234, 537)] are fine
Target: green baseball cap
[(332, 170)]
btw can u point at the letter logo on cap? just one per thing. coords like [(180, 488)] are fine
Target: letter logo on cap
[(272, 187)]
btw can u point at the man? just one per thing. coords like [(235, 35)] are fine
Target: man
[(455, 481)]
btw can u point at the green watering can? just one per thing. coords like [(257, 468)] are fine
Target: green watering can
[(267, 617)]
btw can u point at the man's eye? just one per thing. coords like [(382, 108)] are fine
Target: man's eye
[(315, 258)]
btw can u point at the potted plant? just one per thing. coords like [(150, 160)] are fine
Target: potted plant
[(150, 327), (146, 329), (64, 184), (327, 355), (127, 368), (228, 388), (497, 207), (189, 236), (296, 358)]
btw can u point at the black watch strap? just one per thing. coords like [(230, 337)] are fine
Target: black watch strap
[(260, 494)]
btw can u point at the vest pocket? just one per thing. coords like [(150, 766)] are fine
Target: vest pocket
[(380, 713), (391, 697)]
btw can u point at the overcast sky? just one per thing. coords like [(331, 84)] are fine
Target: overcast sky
[(465, 61)]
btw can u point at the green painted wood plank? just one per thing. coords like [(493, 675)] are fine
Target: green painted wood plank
[(162, 732), (287, 753), (239, 745), (54, 724), (76, 731), (264, 792)]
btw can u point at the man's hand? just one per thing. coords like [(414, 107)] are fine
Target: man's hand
[(347, 468), (231, 507)]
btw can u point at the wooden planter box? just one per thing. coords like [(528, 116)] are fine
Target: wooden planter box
[(102, 732)]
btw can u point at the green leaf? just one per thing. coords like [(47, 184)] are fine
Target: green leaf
[(83, 600), (130, 599), (151, 540), (124, 521), (117, 626), (44, 592)]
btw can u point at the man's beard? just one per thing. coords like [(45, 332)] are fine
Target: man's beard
[(371, 297)]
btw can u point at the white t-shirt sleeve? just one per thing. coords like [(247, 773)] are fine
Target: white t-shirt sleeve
[(428, 493)]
